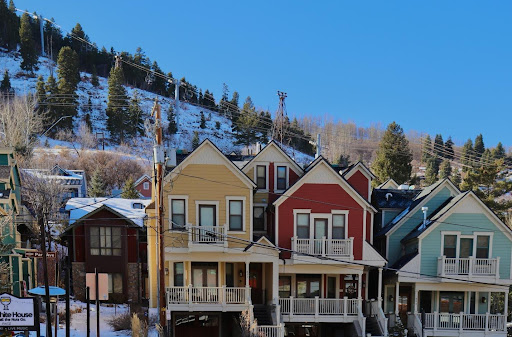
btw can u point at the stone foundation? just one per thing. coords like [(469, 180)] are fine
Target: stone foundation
[(78, 275), (133, 282)]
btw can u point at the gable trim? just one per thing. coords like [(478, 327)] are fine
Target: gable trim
[(272, 143)]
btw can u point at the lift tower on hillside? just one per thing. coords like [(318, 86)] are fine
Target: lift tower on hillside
[(279, 122)]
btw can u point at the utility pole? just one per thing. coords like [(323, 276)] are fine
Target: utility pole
[(159, 161), (278, 126), (42, 228)]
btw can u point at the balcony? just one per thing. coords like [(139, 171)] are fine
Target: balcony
[(319, 309), (467, 323), (469, 267), (211, 298), (341, 248), (207, 238)]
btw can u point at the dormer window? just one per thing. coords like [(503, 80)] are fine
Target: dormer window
[(137, 205)]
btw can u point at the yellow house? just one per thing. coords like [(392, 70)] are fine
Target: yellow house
[(213, 268)]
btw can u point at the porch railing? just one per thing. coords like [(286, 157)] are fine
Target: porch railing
[(468, 266), (207, 234), (323, 246), (377, 311), (319, 306), (478, 322), (213, 295), (264, 330)]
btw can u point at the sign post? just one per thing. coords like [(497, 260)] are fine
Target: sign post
[(18, 313)]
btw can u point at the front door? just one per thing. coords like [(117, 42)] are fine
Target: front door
[(425, 301), (256, 283), (320, 233), (404, 303)]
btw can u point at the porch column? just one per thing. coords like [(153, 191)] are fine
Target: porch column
[(416, 299), (397, 292), (506, 306), (359, 285), (246, 273), (379, 288), (275, 281)]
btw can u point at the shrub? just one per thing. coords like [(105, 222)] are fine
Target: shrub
[(120, 322)]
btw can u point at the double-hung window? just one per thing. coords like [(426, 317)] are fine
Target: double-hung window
[(105, 241), (303, 226), (258, 221), (178, 213), (261, 177), (338, 226), (178, 274), (450, 246), (235, 215), (207, 215), (281, 178), (482, 246)]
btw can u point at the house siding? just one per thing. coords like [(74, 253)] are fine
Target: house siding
[(413, 220), (360, 183), (466, 224)]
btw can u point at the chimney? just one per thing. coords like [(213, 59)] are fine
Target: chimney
[(318, 146), (424, 210), (258, 147)]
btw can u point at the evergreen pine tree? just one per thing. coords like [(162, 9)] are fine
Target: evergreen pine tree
[(466, 157), (51, 102), (135, 122), (195, 140), (487, 157), (41, 94), (171, 118), (246, 124), (233, 106), (393, 156), (87, 120), (445, 170), (448, 149), (217, 125), (129, 190), (5, 85), (4, 24), (116, 106), (94, 79), (159, 82), (457, 178), (202, 122), (478, 148), (200, 100), (27, 45), (97, 186), (69, 77), (438, 149), (498, 152), (14, 27), (343, 160), (426, 154), (431, 171)]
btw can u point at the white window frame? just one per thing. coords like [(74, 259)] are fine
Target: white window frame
[(300, 211), (145, 186), (340, 212), (244, 212), (467, 236), (276, 165), (177, 197), (264, 217), (313, 216), (266, 176), (208, 202)]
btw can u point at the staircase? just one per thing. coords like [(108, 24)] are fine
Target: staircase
[(372, 326), (262, 314)]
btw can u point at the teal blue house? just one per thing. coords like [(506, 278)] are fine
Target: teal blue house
[(449, 261)]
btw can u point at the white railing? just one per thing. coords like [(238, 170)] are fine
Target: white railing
[(362, 321), (207, 234), (481, 322), (379, 315), (319, 306), (414, 323), (323, 246), (468, 266), (270, 330), (215, 295)]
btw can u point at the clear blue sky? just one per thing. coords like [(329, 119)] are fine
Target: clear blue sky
[(433, 66)]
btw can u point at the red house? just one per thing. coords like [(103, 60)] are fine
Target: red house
[(144, 186)]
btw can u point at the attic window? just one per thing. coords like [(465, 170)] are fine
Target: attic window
[(137, 205), (145, 186)]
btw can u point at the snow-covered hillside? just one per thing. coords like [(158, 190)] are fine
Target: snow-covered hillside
[(188, 116)]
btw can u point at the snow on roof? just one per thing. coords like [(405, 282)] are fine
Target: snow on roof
[(80, 207)]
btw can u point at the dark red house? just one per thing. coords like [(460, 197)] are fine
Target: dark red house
[(144, 186), (108, 234)]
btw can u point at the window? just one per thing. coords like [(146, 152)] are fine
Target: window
[(207, 215), (303, 226), (204, 274), (230, 275), (285, 286), (452, 302), (178, 213), (482, 247), (450, 246), (178, 274), (281, 177), (105, 241), (308, 286), (331, 287), (466, 247), (145, 186), (338, 226), (137, 205), (258, 218), (261, 177), (235, 215), (115, 283)]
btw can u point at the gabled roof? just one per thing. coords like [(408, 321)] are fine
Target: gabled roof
[(322, 162), (144, 176), (273, 144), (358, 166), (390, 184), (402, 261), (229, 164)]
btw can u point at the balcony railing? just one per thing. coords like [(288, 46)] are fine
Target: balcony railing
[(208, 295), (319, 306), (207, 234), (468, 266), (324, 246), (474, 322)]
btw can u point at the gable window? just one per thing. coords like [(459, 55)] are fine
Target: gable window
[(105, 241), (145, 186), (258, 218), (207, 215), (450, 246), (303, 226), (235, 215), (261, 177), (338, 226), (482, 246), (178, 213), (281, 177)]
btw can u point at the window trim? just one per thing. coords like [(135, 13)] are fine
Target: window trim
[(313, 216), (276, 166), (473, 236), (340, 212), (111, 248), (264, 217), (297, 212), (208, 203), (244, 213), (174, 274), (144, 184), (266, 165), (179, 197)]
